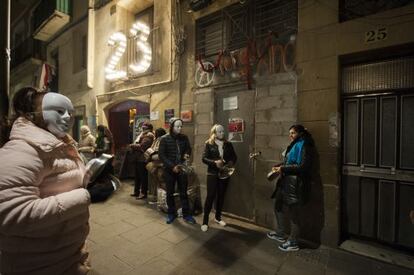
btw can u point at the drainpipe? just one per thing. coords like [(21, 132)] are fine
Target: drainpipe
[(4, 67)]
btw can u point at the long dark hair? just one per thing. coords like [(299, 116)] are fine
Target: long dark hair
[(303, 133), (24, 104)]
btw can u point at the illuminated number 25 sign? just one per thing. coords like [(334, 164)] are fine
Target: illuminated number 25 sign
[(118, 40)]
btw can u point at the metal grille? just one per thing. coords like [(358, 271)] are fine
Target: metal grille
[(232, 27), (351, 9), (238, 26), (210, 34), (277, 16), (384, 75)]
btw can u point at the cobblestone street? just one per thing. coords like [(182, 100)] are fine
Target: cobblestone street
[(131, 237)]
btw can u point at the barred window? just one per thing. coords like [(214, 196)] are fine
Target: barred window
[(232, 27), (351, 9)]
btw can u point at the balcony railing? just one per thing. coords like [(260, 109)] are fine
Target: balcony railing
[(49, 17), (29, 48)]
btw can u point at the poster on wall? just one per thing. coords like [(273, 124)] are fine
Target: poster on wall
[(138, 121), (230, 103), (155, 115), (236, 129), (187, 116), (168, 114)]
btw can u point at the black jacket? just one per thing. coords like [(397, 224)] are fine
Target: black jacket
[(293, 186), (172, 150), (211, 153)]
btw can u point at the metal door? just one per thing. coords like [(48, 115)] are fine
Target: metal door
[(378, 167), (239, 197)]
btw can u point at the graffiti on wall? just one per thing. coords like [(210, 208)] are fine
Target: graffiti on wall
[(256, 59)]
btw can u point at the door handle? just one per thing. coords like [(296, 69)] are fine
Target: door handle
[(254, 155)]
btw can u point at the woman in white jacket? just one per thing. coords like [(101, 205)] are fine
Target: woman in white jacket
[(43, 203), (87, 143)]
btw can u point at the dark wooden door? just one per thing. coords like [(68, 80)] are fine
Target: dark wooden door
[(378, 168)]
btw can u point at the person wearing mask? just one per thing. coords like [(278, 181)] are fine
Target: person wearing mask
[(104, 141), (293, 186), (154, 165), (87, 143), (142, 143), (174, 152), (217, 153), (44, 206)]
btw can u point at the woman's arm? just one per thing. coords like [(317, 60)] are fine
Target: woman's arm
[(21, 207), (233, 155), (206, 158), (162, 154)]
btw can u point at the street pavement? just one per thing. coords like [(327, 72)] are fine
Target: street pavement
[(129, 236)]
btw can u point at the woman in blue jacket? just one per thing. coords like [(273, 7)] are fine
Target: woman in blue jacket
[(293, 186)]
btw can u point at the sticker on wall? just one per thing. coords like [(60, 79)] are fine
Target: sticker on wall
[(230, 103), (155, 115), (236, 129), (138, 121), (168, 114), (187, 116)]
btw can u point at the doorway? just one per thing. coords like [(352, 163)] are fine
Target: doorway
[(239, 106), (121, 123), (377, 158), (120, 117)]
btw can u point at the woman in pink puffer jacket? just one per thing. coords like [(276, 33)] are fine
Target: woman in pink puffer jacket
[(43, 203)]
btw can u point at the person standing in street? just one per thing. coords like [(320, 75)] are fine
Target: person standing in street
[(142, 143), (292, 187), (44, 206), (218, 152), (87, 143), (104, 141), (174, 152)]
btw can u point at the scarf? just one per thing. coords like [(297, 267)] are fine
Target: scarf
[(295, 153), (220, 146)]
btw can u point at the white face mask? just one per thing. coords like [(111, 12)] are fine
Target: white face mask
[(177, 127), (58, 114), (219, 132)]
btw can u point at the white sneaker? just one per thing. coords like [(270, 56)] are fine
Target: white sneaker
[(221, 222), (204, 227)]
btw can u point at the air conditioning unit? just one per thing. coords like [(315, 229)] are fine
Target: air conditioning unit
[(196, 5)]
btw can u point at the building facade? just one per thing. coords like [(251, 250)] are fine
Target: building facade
[(258, 67), (342, 68)]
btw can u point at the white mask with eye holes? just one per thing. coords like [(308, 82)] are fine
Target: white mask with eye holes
[(57, 111), (177, 127), (219, 132)]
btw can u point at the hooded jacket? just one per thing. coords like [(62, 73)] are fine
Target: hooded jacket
[(43, 205), (87, 140)]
